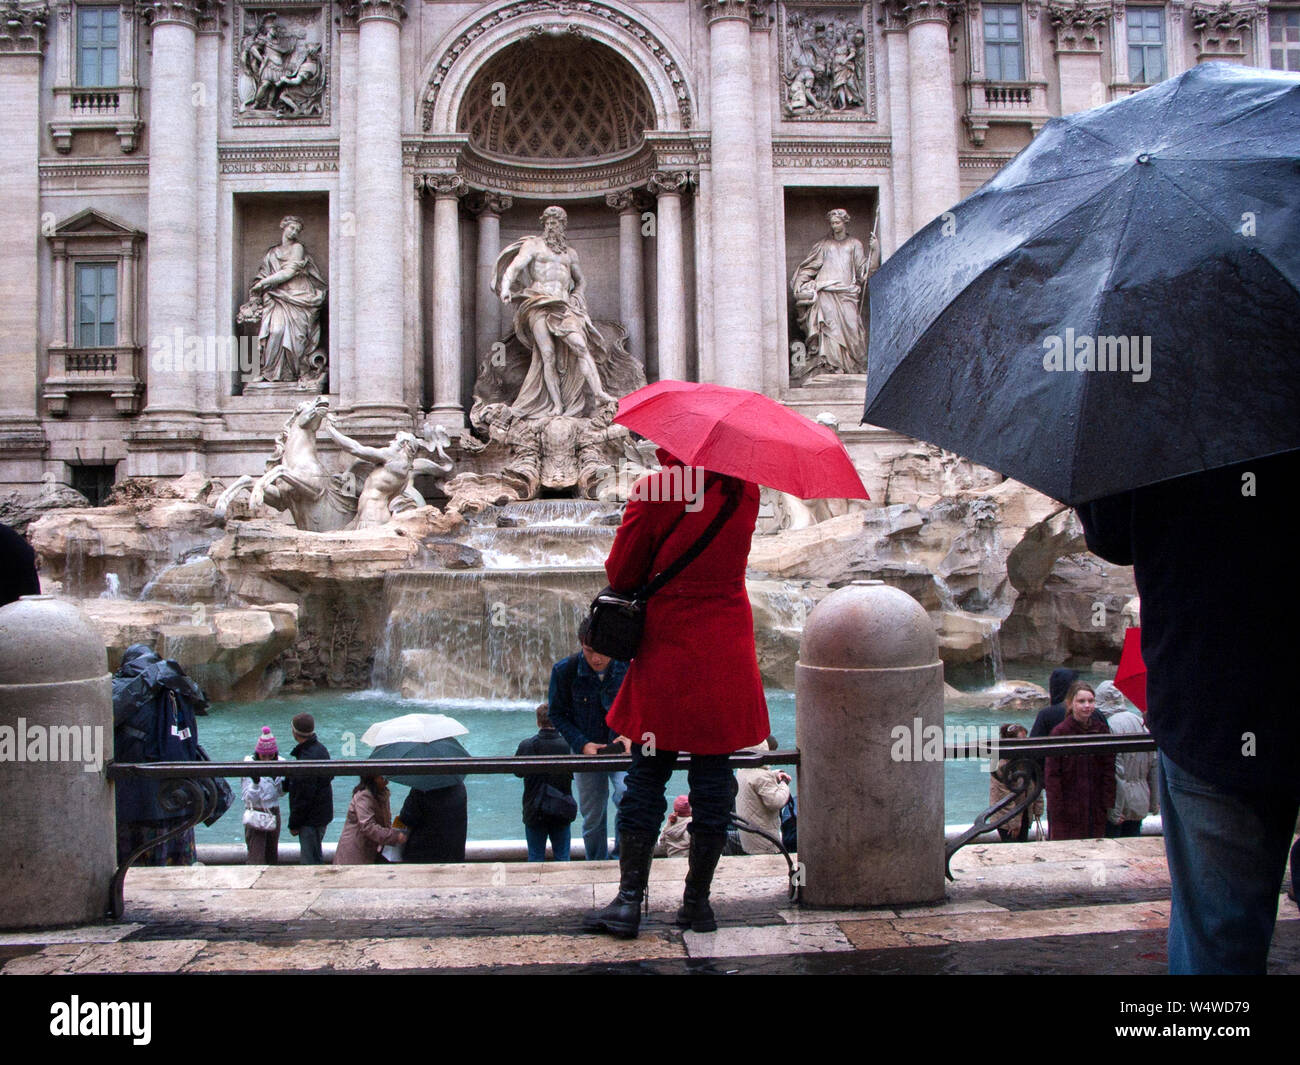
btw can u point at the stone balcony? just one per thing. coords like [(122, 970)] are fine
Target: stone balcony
[(113, 371), (108, 107), (990, 103)]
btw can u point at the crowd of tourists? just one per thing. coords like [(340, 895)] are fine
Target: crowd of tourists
[(1088, 796)]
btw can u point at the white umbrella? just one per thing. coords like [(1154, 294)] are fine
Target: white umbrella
[(413, 728)]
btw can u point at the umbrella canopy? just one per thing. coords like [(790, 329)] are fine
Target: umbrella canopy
[(1117, 306), (413, 728), (744, 434), (1131, 675), (444, 748)]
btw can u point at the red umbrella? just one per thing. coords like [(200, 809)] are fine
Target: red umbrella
[(744, 434), (1131, 674)]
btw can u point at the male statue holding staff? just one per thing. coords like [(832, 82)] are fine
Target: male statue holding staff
[(551, 321)]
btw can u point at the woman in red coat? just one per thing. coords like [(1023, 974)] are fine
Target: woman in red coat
[(1080, 789), (694, 685)]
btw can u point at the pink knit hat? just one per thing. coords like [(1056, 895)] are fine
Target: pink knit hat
[(266, 743), (682, 806)]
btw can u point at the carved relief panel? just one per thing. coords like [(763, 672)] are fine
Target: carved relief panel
[(282, 63), (827, 62)]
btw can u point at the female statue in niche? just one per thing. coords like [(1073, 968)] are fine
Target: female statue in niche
[(287, 296)]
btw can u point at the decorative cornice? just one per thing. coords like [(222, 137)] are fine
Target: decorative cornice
[(851, 153), (1077, 27), (22, 29), (53, 172), (358, 11), (487, 202), (441, 186), (906, 13), (669, 182), (1219, 27), (561, 9), (984, 160)]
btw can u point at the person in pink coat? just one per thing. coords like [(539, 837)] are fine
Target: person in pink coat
[(369, 827), (694, 684)]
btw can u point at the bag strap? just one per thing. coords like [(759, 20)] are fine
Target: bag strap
[(696, 549)]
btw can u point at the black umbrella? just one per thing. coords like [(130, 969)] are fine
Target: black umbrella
[(1119, 305), (450, 747)]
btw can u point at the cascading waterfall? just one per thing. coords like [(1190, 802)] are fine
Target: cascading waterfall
[(495, 632)]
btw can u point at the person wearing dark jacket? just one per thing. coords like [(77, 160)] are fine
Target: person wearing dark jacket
[(539, 825), (1080, 788), (18, 576), (438, 822), (583, 688), (1216, 640), (1051, 716), (311, 799)]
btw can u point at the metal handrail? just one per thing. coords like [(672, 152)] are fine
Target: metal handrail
[(192, 785)]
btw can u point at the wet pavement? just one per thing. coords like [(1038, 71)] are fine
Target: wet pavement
[(1090, 907)]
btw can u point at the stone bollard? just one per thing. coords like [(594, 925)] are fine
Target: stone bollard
[(58, 845), (870, 826)]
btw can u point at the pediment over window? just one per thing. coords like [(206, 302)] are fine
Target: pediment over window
[(90, 223)]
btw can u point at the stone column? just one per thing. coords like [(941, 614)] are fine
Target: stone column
[(631, 283), (488, 209), (936, 184), (869, 685), (447, 190), (125, 304), (172, 275), (22, 441), (380, 209), (1076, 33), (59, 297), (669, 273), (737, 339), (895, 34)]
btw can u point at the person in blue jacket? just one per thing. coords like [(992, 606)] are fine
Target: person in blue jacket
[(583, 687)]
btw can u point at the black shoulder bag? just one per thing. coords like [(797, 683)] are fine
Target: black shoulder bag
[(618, 621)]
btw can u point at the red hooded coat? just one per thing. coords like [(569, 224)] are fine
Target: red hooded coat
[(694, 683)]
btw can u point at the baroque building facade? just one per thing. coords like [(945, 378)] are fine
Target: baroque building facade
[(214, 209)]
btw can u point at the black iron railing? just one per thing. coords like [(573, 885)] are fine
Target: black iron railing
[(1023, 773), (192, 787)]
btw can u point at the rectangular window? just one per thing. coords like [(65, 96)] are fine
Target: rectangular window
[(96, 305), (96, 46), (1146, 45), (1284, 40), (1003, 43)]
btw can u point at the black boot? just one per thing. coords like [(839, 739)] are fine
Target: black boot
[(695, 912), (622, 917)]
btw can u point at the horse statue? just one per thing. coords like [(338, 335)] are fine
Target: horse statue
[(296, 480)]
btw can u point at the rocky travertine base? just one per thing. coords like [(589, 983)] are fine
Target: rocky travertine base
[(1084, 906)]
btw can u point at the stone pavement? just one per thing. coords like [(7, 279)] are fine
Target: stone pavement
[(1096, 906)]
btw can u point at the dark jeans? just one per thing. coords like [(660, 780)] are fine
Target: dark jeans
[(1123, 830), (309, 839), (1227, 853), (537, 835), (712, 784)]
